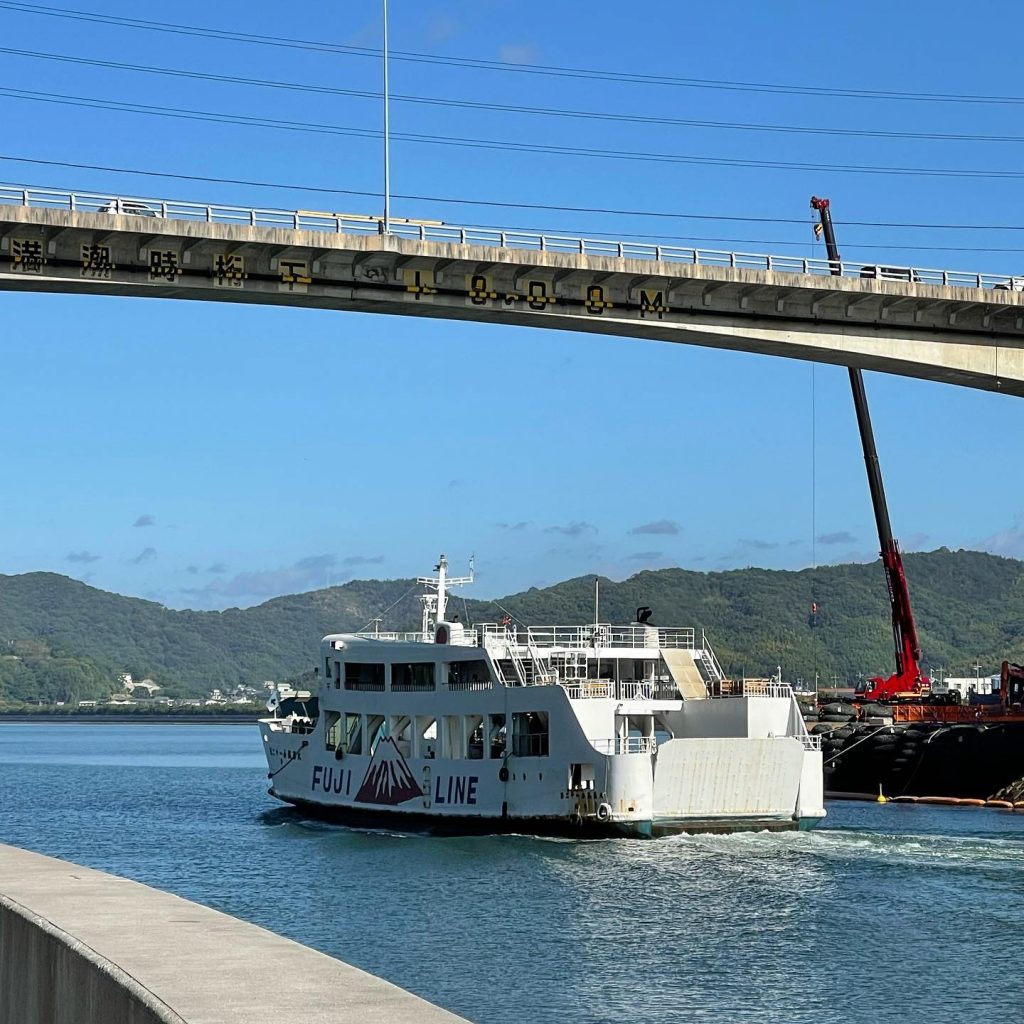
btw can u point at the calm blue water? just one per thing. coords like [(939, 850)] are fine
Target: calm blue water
[(892, 913)]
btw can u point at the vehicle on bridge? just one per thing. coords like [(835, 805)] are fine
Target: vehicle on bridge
[(130, 207), (890, 274), (570, 730)]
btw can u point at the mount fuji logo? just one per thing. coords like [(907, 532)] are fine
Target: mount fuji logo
[(388, 779)]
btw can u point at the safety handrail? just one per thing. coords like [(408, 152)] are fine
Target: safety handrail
[(436, 231)]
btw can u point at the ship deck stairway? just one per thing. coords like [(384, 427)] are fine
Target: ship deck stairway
[(682, 664)]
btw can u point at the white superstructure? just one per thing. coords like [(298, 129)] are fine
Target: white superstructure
[(594, 729)]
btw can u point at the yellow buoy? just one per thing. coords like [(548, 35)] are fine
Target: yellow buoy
[(881, 795)]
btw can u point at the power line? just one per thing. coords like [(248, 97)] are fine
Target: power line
[(506, 146), (510, 66), (494, 203), (511, 108)]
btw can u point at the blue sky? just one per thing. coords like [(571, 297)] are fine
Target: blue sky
[(215, 455)]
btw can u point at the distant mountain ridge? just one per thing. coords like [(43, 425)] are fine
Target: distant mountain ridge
[(62, 639)]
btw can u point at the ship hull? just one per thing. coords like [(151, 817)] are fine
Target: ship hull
[(541, 825)]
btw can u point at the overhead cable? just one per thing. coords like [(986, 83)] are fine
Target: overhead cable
[(511, 108), (504, 145), (495, 203), (509, 66)]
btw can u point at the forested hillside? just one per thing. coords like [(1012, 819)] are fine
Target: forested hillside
[(63, 640)]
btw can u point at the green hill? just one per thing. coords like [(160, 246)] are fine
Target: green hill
[(63, 640)]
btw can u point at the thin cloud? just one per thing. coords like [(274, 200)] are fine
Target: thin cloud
[(217, 568), (145, 555), (659, 526), (644, 556), (259, 584), (573, 529), (519, 53), (362, 560), (145, 520), (83, 556), (757, 544), (521, 525), (316, 563), (442, 27), (1008, 542), (839, 537), (192, 570)]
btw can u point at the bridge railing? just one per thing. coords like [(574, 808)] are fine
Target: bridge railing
[(514, 239)]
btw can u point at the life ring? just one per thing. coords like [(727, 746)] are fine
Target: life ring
[(576, 819), (604, 812), (503, 773)]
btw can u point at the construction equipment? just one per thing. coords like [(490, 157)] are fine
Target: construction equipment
[(1011, 683), (908, 681)]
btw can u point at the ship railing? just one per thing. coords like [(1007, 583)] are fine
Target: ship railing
[(810, 741), (606, 635), (636, 689), (437, 231), (625, 689), (468, 637), (472, 684), (417, 637), (530, 745), (751, 688), (712, 668), (626, 745), (584, 689)]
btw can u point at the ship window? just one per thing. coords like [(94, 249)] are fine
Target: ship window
[(337, 675), (451, 737), (469, 675), (400, 727), (425, 735), (361, 676), (581, 776), (353, 733), (496, 735), (530, 733), (474, 737), (419, 675), (332, 730), (375, 730)]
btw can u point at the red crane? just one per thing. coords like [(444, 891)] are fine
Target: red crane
[(908, 681)]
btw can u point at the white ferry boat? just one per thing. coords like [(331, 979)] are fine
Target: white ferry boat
[(569, 730)]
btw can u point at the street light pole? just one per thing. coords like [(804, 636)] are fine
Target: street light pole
[(387, 132)]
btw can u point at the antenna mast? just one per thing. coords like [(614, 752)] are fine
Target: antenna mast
[(387, 131)]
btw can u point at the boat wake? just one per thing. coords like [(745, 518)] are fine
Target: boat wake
[(943, 852)]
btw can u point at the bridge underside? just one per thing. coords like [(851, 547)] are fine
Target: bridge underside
[(968, 336)]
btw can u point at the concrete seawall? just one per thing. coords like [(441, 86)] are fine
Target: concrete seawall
[(79, 946)]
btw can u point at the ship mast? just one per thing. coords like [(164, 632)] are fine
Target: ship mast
[(435, 604)]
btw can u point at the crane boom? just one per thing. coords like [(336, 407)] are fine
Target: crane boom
[(908, 679)]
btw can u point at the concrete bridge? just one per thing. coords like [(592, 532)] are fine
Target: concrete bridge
[(957, 327)]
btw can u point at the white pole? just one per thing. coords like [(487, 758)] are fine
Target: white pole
[(387, 132), (597, 601)]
